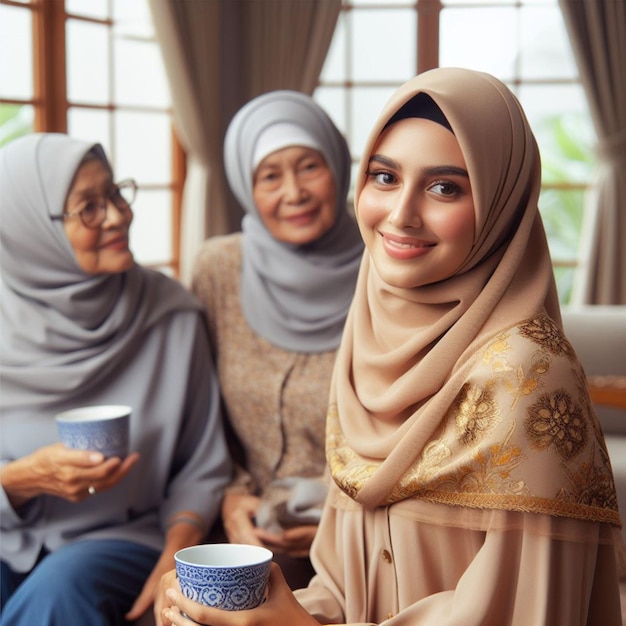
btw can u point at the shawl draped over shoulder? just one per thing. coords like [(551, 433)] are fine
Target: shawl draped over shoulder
[(465, 391), (63, 331)]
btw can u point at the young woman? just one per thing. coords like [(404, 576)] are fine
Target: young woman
[(471, 480), (85, 539), (276, 297)]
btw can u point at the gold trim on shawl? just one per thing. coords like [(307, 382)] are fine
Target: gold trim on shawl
[(521, 435)]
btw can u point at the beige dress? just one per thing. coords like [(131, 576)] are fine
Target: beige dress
[(406, 564), (446, 557), (276, 400)]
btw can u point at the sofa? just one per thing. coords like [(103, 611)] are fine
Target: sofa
[(598, 335)]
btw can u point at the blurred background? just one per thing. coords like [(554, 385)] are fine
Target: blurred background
[(95, 69)]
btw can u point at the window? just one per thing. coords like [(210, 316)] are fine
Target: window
[(380, 44), (93, 69)]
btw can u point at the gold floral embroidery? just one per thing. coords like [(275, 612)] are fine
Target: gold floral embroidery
[(592, 486), (545, 332), (476, 413), (348, 469), (522, 383), (479, 454), (495, 352), (557, 420), (490, 470)]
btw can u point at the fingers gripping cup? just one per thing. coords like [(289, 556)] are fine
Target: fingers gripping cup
[(103, 428), (228, 576)]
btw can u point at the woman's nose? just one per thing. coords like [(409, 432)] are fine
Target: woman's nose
[(292, 189), (115, 215), (406, 213)]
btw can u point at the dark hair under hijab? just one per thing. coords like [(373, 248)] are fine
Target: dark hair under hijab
[(423, 106)]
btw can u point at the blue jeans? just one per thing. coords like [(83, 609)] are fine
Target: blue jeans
[(85, 583)]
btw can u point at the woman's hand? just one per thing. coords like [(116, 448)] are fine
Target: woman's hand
[(280, 609), (62, 472), (295, 542), (238, 512), (181, 534)]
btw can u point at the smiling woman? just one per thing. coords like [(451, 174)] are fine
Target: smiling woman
[(97, 217), (416, 209), (82, 324), (471, 480)]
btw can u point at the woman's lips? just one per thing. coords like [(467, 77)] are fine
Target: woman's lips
[(405, 248), (117, 243), (304, 217)]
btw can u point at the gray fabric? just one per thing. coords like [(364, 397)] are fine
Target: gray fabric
[(296, 297), (61, 329), (68, 339)]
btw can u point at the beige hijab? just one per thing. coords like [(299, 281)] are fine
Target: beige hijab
[(445, 391)]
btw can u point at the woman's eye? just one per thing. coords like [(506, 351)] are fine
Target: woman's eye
[(445, 188), (268, 177), (90, 209), (382, 178)]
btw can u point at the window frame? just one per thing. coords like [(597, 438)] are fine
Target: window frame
[(51, 105)]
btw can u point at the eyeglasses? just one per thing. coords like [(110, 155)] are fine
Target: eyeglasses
[(93, 214)]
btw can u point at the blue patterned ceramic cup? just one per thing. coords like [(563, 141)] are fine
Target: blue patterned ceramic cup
[(103, 428), (228, 576)]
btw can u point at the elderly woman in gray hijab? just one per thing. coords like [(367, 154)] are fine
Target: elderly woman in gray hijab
[(276, 297), (85, 538)]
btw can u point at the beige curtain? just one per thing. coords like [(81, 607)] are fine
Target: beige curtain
[(597, 29), (219, 54)]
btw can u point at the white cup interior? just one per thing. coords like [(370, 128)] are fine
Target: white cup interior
[(223, 555), (94, 413)]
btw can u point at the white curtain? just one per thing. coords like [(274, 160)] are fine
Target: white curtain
[(597, 30), (219, 54)]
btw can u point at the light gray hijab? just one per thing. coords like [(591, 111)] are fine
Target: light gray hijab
[(295, 296), (62, 331)]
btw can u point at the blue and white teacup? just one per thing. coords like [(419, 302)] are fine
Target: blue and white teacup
[(228, 576), (102, 428)]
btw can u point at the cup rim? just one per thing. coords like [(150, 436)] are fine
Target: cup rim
[(264, 555), (100, 413)]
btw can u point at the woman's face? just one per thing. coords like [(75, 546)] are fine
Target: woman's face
[(105, 249), (415, 211), (294, 192)]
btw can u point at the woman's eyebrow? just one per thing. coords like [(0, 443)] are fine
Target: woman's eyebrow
[(436, 170), (383, 160), (446, 170)]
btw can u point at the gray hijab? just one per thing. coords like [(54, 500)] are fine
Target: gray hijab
[(295, 296), (62, 331)]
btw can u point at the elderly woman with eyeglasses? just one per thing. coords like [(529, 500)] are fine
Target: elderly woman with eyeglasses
[(85, 539)]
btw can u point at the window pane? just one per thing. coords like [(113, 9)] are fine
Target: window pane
[(150, 233), (16, 58), (379, 2), (133, 18), (365, 108), (335, 64), (136, 137), (139, 74), (545, 49), (15, 120), (87, 63), (480, 2), (94, 8), (333, 101), (562, 212), (91, 125), (559, 117), (471, 37), (564, 283), (393, 61)]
